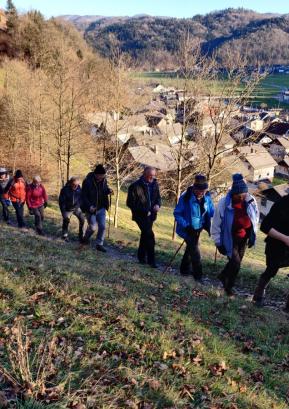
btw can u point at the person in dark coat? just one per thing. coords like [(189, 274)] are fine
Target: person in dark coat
[(144, 201), (69, 203), (276, 226), (193, 214), (95, 203), (5, 184)]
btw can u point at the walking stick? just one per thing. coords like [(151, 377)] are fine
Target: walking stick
[(109, 217), (173, 258), (216, 254)]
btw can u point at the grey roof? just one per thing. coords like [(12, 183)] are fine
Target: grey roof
[(257, 156)]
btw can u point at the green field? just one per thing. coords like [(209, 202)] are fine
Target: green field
[(126, 336), (265, 93)]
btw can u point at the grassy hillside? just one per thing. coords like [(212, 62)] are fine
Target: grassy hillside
[(126, 336)]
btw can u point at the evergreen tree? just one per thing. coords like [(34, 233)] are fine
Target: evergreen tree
[(12, 17)]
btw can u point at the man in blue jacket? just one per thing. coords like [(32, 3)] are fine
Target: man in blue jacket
[(193, 213), (234, 228)]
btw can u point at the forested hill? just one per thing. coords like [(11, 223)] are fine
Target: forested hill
[(264, 37)]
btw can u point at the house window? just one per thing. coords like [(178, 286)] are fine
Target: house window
[(264, 202)]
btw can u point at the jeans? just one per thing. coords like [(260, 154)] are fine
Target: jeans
[(38, 218), (96, 220), (146, 249), (19, 208), (5, 209), (66, 220), (232, 268), (191, 262)]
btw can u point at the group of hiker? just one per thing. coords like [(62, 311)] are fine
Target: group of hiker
[(232, 224)]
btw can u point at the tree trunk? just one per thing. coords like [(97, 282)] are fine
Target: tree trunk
[(116, 209)]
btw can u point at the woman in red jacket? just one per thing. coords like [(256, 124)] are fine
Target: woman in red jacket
[(36, 199), (17, 195)]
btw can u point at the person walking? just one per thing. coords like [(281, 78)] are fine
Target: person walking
[(36, 199), (5, 183), (17, 195), (69, 203), (193, 214), (95, 203), (276, 226), (234, 227), (144, 201)]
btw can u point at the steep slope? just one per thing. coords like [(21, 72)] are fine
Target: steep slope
[(129, 337)]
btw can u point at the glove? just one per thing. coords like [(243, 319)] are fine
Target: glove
[(45, 205), (222, 250), (92, 209), (31, 212), (250, 244)]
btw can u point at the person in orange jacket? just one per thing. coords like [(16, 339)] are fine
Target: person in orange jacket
[(17, 195)]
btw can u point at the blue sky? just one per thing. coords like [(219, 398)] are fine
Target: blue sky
[(176, 8)]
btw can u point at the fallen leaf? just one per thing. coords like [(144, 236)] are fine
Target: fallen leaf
[(218, 369)]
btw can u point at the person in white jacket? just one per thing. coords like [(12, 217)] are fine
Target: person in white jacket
[(234, 227)]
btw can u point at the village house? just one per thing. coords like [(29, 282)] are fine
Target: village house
[(278, 128), (259, 162), (160, 156), (270, 195), (282, 169), (279, 147)]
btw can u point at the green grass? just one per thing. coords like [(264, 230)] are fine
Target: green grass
[(136, 337), (278, 181), (265, 93)]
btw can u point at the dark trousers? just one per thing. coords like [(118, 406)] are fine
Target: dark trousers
[(38, 218), (66, 220), (232, 268), (146, 249), (5, 209), (264, 280), (191, 262), (19, 209)]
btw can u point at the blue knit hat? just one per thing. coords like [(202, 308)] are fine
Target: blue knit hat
[(239, 185)]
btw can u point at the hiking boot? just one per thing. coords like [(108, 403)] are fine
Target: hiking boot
[(258, 302), (223, 280), (65, 237), (199, 280), (260, 291), (100, 247), (286, 309), (40, 232), (142, 261), (185, 272), (230, 292), (153, 265)]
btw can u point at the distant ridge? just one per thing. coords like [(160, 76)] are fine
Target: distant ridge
[(152, 41)]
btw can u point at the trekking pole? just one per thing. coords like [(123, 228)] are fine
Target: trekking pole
[(109, 217), (216, 254), (173, 258)]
